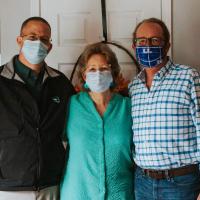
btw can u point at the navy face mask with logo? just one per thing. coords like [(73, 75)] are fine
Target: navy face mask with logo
[(149, 56)]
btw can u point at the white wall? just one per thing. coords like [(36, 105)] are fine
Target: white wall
[(186, 29), (10, 25), (186, 32)]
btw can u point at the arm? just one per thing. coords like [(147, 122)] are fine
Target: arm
[(195, 105)]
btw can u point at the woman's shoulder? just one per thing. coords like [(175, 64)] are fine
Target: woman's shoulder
[(122, 98), (124, 101), (78, 97)]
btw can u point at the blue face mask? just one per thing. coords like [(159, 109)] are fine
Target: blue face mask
[(148, 56), (34, 51), (99, 81)]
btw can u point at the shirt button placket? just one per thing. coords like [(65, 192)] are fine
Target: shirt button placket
[(102, 160)]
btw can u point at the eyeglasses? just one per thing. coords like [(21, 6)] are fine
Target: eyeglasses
[(94, 68), (154, 41), (44, 40)]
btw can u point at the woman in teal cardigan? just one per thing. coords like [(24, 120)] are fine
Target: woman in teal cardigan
[(98, 130)]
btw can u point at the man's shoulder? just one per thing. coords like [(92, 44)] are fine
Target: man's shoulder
[(58, 75), (53, 72), (135, 81), (1, 68), (185, 70), (60, 79), (7, 69), (181, 67)]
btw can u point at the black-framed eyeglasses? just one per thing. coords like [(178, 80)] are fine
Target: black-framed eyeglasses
[(44, 40), (154, 41)]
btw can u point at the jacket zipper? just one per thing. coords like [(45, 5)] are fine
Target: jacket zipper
[(39, 156)]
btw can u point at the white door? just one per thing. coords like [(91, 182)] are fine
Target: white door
[(76, 23)]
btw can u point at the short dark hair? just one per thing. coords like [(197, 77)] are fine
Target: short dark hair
[(165, 30), (102, 49), (36, 18)]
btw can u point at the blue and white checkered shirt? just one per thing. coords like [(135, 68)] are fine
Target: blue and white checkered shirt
[(166, 118)]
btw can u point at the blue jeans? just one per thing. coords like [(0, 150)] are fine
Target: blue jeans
[(185, 187)]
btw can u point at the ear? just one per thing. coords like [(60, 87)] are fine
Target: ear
[(167, 48), (133, 46), (84, 76), (19, 41), (134, 50), (50, 47)]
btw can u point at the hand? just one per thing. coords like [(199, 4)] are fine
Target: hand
[(198, 197)]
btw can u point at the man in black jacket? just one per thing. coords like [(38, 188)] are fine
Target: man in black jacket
[(33, 106)]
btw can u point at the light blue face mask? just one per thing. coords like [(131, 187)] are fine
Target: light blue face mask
[(34, 51), (149, 56), (99, 81)]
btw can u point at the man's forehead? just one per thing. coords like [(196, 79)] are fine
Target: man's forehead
[(36, 27), (148, 27)]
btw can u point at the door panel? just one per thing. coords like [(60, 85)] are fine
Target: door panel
[(77, 23)]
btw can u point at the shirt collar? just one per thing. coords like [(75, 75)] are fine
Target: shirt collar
[(160, 74), (21, 69), (26, 73)]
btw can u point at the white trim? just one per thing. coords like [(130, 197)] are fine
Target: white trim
[(166, 15), (35, 8), (0, 42)]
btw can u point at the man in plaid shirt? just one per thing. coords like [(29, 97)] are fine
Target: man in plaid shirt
[(166, 119)]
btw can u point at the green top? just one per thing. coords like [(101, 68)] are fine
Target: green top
[(99, 165), (32, 80)]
